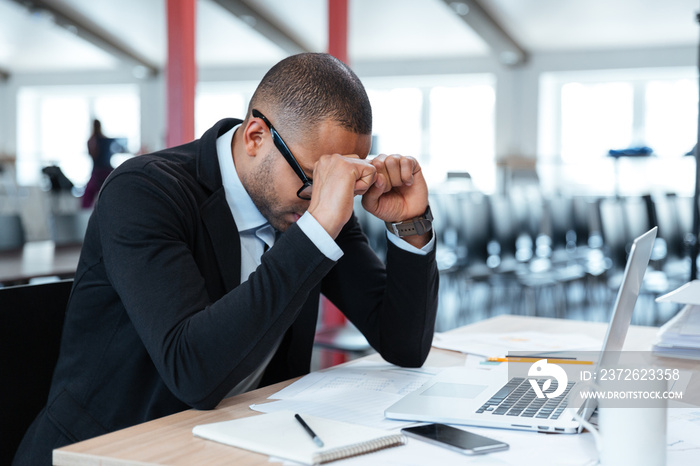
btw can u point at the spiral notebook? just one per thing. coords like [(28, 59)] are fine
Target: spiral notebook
[(278, 434)]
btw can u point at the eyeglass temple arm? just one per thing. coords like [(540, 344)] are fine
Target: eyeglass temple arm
[(277, 139)]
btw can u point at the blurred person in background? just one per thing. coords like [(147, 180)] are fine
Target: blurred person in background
[(100, 150)]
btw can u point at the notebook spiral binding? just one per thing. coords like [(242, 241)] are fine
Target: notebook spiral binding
[(359, 449)]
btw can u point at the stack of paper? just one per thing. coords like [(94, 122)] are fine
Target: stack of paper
[(680, 336)]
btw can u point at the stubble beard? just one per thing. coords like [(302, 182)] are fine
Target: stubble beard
[(260, 185)]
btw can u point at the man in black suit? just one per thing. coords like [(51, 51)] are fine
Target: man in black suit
[(202, 265)]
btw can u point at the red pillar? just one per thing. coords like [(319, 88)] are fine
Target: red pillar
[(181, 71), (338, 29), (338, 47)]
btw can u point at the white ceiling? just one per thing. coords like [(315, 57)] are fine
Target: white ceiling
[(556, 25), (380, 30)]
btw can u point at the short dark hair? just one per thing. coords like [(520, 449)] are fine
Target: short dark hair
[(305, 89)]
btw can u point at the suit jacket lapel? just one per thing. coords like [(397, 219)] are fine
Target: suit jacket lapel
[(215, 211), (224, 237)]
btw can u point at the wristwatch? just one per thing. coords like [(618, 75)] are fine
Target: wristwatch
[(415, 226)]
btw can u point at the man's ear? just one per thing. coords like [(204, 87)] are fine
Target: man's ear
[(253, 136)]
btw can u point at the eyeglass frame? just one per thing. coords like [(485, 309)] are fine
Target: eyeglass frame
[(287, 154)]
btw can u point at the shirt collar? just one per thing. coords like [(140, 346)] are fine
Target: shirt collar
[(245, 213)]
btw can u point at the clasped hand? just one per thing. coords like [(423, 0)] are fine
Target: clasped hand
[(392, 188)]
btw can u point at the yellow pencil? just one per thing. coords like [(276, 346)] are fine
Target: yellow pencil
[(554, 361)]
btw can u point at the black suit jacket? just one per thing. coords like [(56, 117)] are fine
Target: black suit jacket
[(159, 320)]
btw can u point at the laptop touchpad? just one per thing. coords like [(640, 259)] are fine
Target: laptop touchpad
[(454, 390)]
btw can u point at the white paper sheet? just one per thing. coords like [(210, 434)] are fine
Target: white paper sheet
[(358, 393), (683, 436), (686, 294), (500, 344)]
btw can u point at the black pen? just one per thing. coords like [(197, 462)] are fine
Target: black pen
[(306, 427)]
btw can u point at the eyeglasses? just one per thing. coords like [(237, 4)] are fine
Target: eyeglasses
[(305, 191)]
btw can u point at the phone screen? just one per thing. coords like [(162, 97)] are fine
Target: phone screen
[(464, 441)]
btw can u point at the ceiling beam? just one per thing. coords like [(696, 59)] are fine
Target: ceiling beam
[(263, 25), (503, 46), (89, 31)]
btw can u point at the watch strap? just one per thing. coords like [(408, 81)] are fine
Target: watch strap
[(415, 226)]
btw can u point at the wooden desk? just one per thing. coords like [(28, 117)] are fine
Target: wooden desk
[(169, 440), (38, 259)]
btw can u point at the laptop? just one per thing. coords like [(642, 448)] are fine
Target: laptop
[(491, 398)]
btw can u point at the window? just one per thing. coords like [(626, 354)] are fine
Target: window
[(54, 124), (585, 114), (462, 133), (594, 119), (446, 122), (397, 121), (215, 101), (671, 116)]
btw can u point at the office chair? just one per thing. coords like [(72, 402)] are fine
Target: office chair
[(677, 260), (557, 254), (31, 321), (449, 253), (68, 229), (12, 234), (508, 233), (482, 262)]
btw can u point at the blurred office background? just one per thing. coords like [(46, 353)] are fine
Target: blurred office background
[(551, 132)]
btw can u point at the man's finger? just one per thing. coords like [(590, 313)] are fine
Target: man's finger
[(394, 164), (407, 164), (370, 199), (365, 176)]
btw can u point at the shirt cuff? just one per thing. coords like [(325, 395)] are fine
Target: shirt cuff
[(320, 237), (401, 244)]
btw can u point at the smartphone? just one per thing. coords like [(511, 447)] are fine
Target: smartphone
[(455, 439)]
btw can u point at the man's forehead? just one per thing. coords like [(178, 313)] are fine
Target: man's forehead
[(333, 138)]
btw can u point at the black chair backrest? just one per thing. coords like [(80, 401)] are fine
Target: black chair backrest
[(638, 216), (669, 222), (12, 235), (68, 229), (528, 209), (559, 215), (476, 227), (31, 321), (586, 216), (615, 228), (505, 224), (685, 207), (443, 221)]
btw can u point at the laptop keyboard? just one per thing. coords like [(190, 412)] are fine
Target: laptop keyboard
[(517, 398)]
